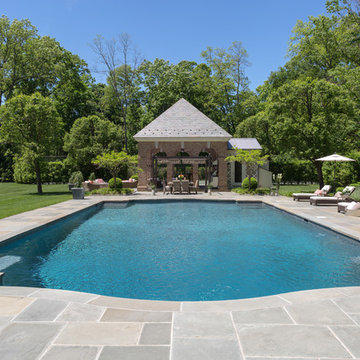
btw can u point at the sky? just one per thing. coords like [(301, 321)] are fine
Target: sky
[(172, 30)]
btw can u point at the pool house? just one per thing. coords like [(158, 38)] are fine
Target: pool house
[(184, 141)]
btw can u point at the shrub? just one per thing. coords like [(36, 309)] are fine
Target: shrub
[(57, 172), (239, 190), (253, 183), (51, 172), (118, 183), (242, 191), (135, 177), (76, 178), (104, 191), (262, 191), (108, 191), (6, 176), (92, 176), (127, 191), (293, 170), (23, 171)]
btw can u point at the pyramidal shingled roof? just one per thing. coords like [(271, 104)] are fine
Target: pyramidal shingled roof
[(182, 121)]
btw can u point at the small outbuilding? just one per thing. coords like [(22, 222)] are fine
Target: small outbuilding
[(184, 141)]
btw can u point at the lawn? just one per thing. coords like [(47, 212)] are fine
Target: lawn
[(17, 198), (288, 190)]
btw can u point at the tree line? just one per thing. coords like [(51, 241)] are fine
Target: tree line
[(54, 114), (310, 107)]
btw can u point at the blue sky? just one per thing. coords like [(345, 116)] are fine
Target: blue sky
[(172, 30)]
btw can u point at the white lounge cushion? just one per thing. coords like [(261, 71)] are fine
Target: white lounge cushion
[(348, 190), (323, 197), (346, 204), (303, 194), (353, 206)]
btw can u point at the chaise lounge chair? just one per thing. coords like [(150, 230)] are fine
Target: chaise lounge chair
[(343, 196), (349, 208), (353, 209), (307, 196)]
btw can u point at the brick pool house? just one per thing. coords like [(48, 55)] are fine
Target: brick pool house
[(184, 140)]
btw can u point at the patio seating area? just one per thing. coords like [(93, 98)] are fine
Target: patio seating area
[(340, 199), (180, 187)]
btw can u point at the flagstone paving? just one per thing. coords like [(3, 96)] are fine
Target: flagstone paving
[(317, 324), (48, 324)]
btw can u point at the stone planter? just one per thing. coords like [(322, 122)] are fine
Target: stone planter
[(129, 184), (78, 193)]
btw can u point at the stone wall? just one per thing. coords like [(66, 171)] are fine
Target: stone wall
[(218, 151)]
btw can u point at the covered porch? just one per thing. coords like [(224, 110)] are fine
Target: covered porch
[(194, 168)]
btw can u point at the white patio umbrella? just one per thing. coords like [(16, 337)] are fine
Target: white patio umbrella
[(336, 158)]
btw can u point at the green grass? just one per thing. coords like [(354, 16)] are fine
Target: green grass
[(17, 198), (285, 190), (288, 190)]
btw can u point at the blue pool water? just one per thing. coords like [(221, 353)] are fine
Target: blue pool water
[(182, 250)]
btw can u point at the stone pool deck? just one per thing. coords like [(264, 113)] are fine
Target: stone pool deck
[(55, 324)]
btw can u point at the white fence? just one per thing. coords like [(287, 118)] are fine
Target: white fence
[(264, 178)]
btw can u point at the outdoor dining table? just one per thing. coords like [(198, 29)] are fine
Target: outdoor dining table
[(171, 185)]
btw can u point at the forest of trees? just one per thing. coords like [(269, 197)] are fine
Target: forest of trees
[(55, 118)]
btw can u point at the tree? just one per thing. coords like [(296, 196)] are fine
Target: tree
[(156, 78), (114, 162), (316, 44), (124, 102), (257, 126), (311, 118), (73, 89), (252, 158), (30, 63), (14, 44), (228, 71), (121, 71), (91, 136), (34, 126)]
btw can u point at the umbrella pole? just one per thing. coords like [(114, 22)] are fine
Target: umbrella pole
[(335, 177)]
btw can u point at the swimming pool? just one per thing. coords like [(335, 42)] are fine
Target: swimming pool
[(182, 250)]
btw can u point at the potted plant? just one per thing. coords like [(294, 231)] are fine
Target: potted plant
[(210, 189), (77, 190), (153, 189), (70, 183)]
